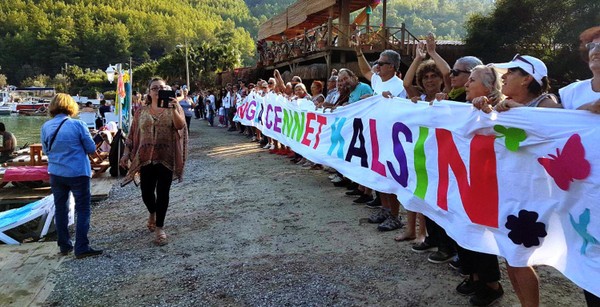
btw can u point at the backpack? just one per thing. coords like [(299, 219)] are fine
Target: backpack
[(115, 155)]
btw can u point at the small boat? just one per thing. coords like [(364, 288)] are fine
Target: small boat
[(38, 112)]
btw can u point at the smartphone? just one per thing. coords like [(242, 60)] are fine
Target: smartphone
[(164, 97)]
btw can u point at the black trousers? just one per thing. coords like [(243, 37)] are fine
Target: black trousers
[(155, 182), (484, 265), (591, 300), (436, 236)]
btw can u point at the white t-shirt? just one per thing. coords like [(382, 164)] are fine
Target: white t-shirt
[(394, 85), (227, 100), (577, 94), (212, 99)]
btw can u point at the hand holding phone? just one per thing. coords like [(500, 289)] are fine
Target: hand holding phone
[(165, 97)]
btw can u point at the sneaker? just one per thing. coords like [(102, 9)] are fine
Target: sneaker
[(268, 146), (468, 286), (332, 176), (342, 184), (253, 139), (363, 199), (307, 164), (440, 257), (272, 146), (374, 204), (336, 178), (379, 216), (455, 263), (66, 252), (422, 247), (316, 167), (354, 193), (90, 253), (390, 223), (486, 296)]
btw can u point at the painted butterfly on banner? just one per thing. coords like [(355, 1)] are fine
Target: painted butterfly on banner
[(568, 165)]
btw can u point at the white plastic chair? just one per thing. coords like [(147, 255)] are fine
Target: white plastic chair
[(43, 208), (89, 118), (111, 117)]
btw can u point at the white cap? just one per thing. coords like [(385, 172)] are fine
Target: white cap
[(533, 66)]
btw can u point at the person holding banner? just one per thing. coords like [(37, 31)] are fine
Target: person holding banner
[(525, 81), (384, 81), (482, 284), (430, 79), (585, 95), (157, 149)]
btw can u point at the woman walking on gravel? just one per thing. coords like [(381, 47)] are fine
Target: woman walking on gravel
[(157, 148)]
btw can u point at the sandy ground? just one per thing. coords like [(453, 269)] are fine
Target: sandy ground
[(247, 228)]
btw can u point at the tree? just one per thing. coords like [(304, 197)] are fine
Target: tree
[(538, 29)]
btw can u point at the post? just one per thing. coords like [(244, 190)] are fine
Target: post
[(187, 66), (384, 22)]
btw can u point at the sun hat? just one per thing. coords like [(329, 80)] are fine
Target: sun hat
[(531, 65)]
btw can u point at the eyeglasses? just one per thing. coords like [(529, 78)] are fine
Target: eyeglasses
[(522, 59), (592, 45), (158, 88), (456, 72), (271, 82), (381, 63)]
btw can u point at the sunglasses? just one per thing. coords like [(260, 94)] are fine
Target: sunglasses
[(592, 45), (157, 88), (456, 72), (522, 59), (380, 63)]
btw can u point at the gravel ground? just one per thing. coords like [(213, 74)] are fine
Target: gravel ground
[(250, 229)]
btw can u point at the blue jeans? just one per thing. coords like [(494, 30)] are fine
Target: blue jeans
[(80, 187)]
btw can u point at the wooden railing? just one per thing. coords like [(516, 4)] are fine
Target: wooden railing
[(327, 36)]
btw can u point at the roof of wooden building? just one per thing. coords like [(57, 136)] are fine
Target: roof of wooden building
[(304, 15)]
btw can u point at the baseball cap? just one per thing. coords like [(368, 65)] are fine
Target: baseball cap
[(533, 66)]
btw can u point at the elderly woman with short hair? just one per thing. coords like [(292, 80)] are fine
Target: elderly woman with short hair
[(67, 142)]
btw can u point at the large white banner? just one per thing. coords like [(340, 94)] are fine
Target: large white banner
[(523, 184)]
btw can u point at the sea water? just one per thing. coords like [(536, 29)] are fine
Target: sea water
[(25, 128)]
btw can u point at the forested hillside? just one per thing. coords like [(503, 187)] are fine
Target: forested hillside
[(40, 36), (445, 18)]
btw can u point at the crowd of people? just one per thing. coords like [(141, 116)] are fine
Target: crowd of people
[(156, 146), (521, 82)]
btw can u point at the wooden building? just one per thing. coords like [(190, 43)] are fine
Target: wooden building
[(311, 37)]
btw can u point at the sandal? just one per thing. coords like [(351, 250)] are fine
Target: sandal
[(161, 237), (151, 223)]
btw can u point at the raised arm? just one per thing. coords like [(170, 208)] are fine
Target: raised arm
[(441, 64), (412, 90), (363, 65)]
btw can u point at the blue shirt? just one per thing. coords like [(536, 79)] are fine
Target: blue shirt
[(68, 155), (187, 107), (360, 90)]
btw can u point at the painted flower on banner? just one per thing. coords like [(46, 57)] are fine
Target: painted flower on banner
[(568, 164), (525, 229), (512, 136)]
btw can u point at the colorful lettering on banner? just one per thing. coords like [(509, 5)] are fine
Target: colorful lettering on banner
[(376, 165), (359, 151), (268, 123), (321, 120), (412, 150), (402, 177), (336, 137), (480, 197), (420, 164), (278, 119), (251, 110)]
